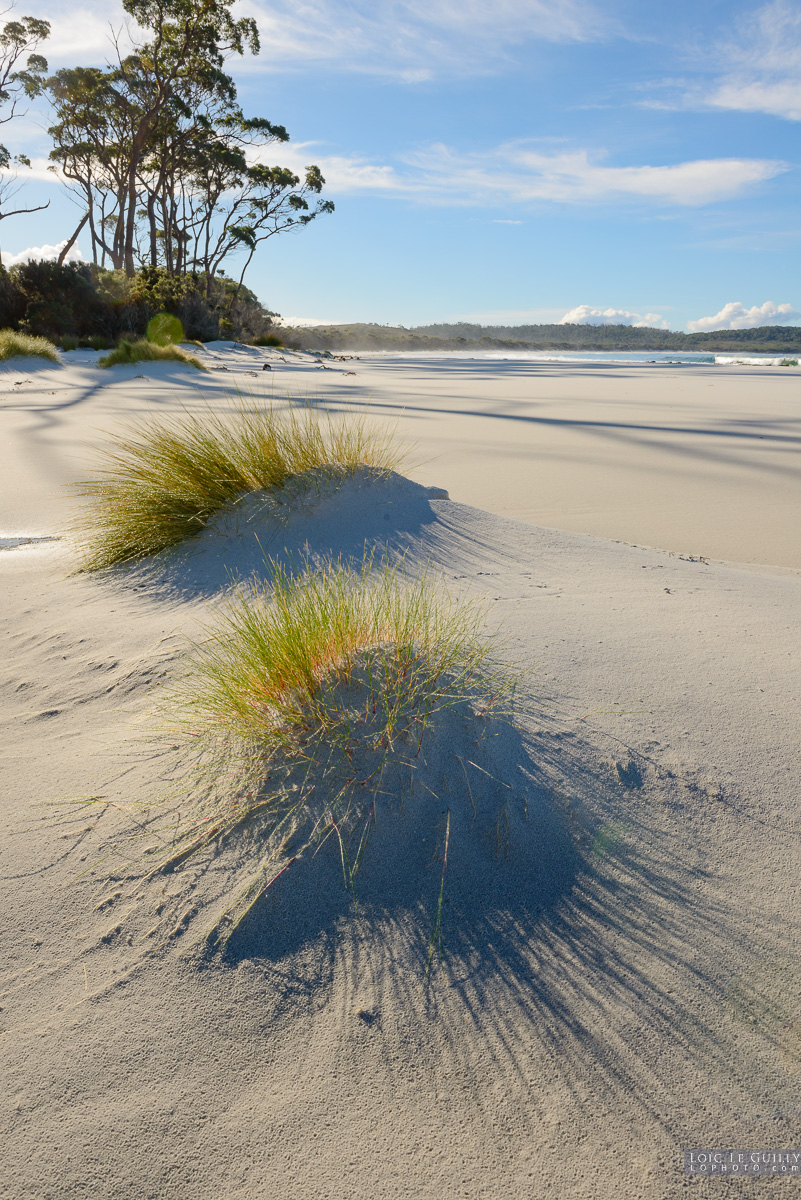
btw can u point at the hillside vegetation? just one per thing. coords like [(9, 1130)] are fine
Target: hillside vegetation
[(770, 339)]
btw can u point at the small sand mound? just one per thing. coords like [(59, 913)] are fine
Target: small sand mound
[(344, 834)]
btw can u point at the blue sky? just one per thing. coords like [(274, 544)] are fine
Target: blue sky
[(512, 161)]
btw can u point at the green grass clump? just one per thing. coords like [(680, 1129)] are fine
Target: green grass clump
[(144, 351), (21, 345), (305, 704), (271, 672), (161, 481)]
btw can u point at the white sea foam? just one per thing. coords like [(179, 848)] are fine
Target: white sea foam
[(583, 357), (755, 361)]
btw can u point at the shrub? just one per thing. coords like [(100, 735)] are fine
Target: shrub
[(16, 345), (161, 481), (84, 300), (60, 300), (268, 340), (145, 351)]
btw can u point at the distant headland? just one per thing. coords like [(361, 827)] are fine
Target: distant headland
[(767, 339)]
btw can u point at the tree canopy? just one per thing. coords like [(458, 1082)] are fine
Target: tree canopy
[(18, 82), (168, 169)]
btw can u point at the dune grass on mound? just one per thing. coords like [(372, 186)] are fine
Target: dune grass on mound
[(161, 481), (303, 708), (23, 345), (145, 351)]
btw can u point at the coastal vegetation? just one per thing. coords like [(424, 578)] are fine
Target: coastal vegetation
[(22, 345), (171, 177), (81, 303), (161, 481), (305, 704), (146, 351)]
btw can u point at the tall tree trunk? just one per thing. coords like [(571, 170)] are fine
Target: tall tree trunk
[(128, 259), (154, 241)]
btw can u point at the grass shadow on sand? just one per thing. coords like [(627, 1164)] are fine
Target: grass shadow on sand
[(368, 512), (585, 947)]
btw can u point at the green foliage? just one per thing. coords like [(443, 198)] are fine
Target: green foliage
[(79, 300), (158, 147), (16, 345), (59, 300), (268, 340), (17, 39), (161, 481), (145, 351)]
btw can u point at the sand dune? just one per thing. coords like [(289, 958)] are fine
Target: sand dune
[(620, 970)]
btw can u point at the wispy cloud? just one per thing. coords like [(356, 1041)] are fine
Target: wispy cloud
[(82, 33), (584, 314), (764, 63), (756, 69), (735, 315), (417, 39), (519, 173), (413, 40)]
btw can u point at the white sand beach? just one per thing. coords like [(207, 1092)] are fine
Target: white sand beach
[(619, 981)]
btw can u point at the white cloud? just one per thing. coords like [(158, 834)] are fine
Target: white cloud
[(39, 170), (415, 39), (519, 173), (584, 314), (780, 99), (46, 253), (736, 316)]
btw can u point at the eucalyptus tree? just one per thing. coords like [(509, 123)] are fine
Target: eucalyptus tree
[(166, 164), (19, 81)]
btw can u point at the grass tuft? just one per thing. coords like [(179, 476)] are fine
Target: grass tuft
[(162, 480), (144, 351), (303, 706), (21, 345)]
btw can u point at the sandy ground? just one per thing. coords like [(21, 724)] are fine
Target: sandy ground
[(700, 460), (620, 979)]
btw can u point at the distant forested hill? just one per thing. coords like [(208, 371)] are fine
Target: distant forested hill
[(779, 339), (770, 339)]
